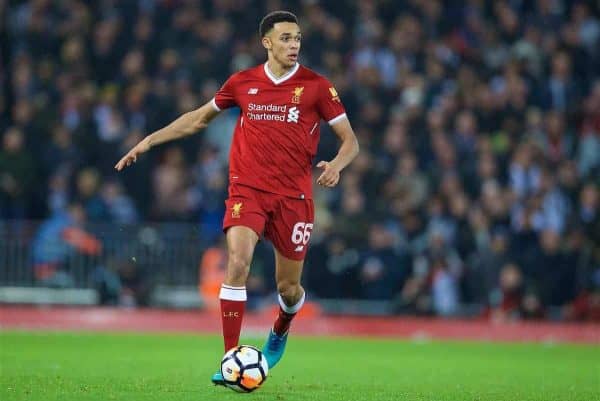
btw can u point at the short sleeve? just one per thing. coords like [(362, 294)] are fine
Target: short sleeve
[(329, 104), (225, 98)]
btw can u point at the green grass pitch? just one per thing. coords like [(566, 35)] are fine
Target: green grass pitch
[(84, 366)]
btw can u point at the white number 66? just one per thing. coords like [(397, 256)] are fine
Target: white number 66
[(301, 233)]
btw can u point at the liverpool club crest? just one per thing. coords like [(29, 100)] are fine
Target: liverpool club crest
[(297, 93)]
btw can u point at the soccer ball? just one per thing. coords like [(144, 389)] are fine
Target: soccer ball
[(244, 368)]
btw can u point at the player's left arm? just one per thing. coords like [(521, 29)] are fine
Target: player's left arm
[(347, 152)]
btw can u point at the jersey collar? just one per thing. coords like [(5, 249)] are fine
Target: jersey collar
[(282, 78)]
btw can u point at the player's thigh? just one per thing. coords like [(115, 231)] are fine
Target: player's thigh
[(241, 241), (244, 222), (290, 227)]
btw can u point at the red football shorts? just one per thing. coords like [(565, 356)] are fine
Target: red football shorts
[(286, 222)]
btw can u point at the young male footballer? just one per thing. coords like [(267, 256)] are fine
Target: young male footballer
[(270, 167)]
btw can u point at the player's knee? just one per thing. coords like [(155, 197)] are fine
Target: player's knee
[(289, 290), (238, 267)]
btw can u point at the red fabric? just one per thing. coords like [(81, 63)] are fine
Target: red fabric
[(84, 242), (232, 314), (44, 271), (511, 301), (283, 322), (586, 307), (277, 133), (286, 222)]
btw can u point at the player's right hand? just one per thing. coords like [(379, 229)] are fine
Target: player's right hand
[(131, 156), (330, 176)]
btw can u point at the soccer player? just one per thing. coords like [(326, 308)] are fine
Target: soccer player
[(270, 166)]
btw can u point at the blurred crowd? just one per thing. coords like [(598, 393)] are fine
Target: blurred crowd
[(478, 181)]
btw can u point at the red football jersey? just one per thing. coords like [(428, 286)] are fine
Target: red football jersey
[(277, 133)]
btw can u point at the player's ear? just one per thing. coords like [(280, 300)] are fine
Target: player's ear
[(266, 42)]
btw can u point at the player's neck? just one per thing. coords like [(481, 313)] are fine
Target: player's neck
[(278, 70)]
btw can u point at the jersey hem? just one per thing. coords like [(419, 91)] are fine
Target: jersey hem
[(293, 195)]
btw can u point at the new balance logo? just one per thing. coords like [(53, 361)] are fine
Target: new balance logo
[(299, 248), (252, 91), (293, 115)]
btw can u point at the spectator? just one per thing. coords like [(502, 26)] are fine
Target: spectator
[(381, 271), (57, 240), (88, 194), (509, 294), (120, 208), (561, 92), (589, 212), (554, 271), (61, 154), (482, 276), (17, 176), (588, 159), (336, 277), (172, 187)]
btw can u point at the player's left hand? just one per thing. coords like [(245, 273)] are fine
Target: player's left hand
[(330, 175), (131, 157)]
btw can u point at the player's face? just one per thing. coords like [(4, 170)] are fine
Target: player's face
[(283, 41)]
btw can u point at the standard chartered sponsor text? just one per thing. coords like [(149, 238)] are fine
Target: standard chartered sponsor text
[(266, 108)]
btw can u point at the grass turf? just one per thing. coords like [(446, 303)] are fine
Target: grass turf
[(82, 366)]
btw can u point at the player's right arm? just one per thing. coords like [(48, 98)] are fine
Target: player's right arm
[(187, 124)]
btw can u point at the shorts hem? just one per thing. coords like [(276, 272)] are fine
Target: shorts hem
[(290, 255), (227, 227)]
